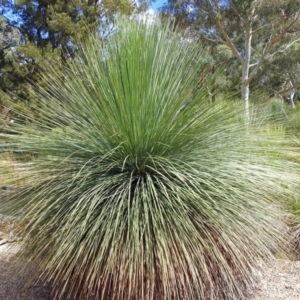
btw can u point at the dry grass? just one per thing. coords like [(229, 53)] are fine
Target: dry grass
[(11, 170), (8, 172)]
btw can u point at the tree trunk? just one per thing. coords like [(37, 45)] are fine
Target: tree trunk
[(245, 97), (292, 96), (245, 72), (245, 89)]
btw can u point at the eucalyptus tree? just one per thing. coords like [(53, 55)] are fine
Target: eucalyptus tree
[(241, 25), (281, 74)]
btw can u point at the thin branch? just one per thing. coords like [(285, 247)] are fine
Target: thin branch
[(261, 27), (216, 38), (228, 41), (283, 50), (274, 38)]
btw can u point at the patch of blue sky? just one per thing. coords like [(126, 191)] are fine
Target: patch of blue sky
[(157, 4)]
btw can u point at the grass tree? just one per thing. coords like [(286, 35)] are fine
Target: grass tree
[(139, 188)]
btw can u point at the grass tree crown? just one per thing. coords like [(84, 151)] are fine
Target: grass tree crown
[(140, 188)]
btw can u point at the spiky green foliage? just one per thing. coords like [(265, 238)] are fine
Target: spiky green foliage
[(141, 189)]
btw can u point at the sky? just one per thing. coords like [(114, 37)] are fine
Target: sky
[(158, 3)]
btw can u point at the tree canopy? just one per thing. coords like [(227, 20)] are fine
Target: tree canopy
[(43, 30), (255, 31)]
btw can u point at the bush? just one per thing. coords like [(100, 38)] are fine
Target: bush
[(141, 189)]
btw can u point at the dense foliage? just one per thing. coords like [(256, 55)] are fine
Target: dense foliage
[(45, 30)]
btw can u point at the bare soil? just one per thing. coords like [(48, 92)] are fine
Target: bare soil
[(14, 284), (279, 281)]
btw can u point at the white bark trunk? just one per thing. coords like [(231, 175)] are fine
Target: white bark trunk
[(245, 97), (292, 96), (245, 71)]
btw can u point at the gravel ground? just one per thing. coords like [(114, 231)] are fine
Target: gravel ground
[(280, 281), (14, 281)]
